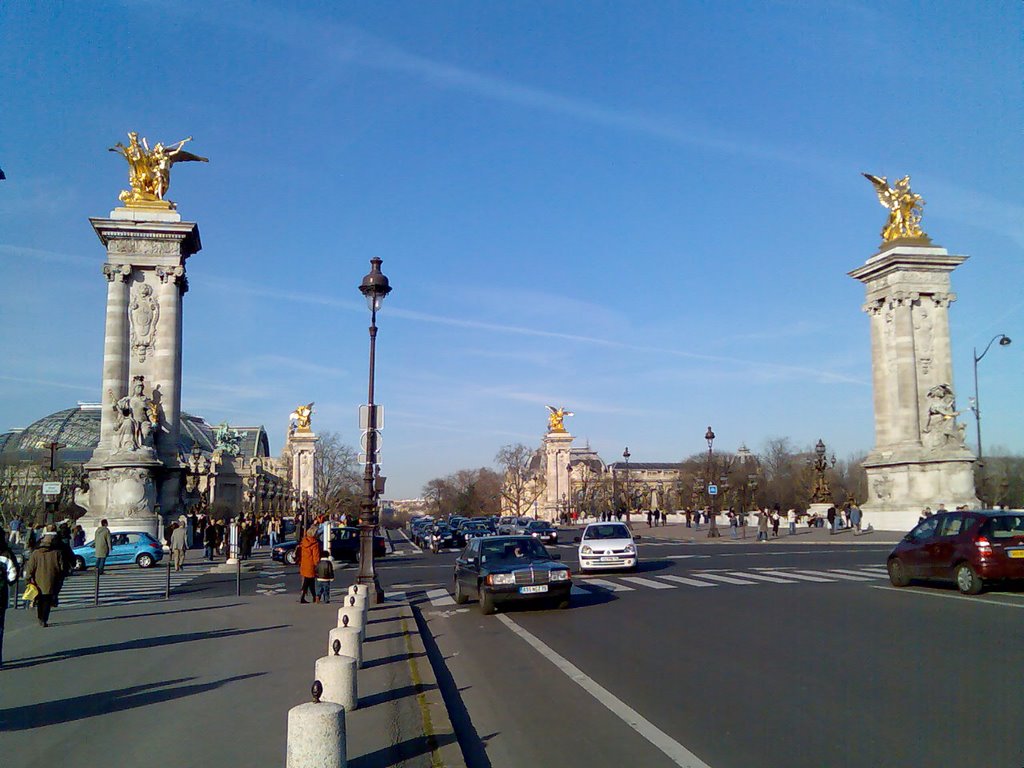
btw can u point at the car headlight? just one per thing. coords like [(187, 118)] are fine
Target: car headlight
[(535, 534), (501, 578), (586, 550), (630, 549), (559, 575)]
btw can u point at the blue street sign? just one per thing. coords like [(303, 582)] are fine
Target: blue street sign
[(712, 490)]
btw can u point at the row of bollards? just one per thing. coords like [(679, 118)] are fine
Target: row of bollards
[(316, 730)]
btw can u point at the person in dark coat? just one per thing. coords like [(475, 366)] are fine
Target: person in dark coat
[(8, 575), (45, 569)]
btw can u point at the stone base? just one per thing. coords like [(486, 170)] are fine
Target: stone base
[(125, 494), (899, 491)]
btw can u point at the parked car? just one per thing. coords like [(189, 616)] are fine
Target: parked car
[(506, 569), (344, 546), (126, 547), (543, 530), (969, 548), (605, 546)]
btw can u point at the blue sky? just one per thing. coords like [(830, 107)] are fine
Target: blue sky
[(642, 212)]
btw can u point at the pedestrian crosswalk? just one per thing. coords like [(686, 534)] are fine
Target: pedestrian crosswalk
[(761, 577), (126, 585)]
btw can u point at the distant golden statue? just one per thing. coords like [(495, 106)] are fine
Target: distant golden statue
[(149, 170), (904, 209), (302, 417), (556, 417)]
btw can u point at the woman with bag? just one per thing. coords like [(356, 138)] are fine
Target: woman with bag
[(8, 575), (45, 569)]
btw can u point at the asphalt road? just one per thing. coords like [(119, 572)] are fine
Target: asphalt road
[(730, 655)]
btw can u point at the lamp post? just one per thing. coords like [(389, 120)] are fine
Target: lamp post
[(626, 454), (713, 531), (375, 287), (1004, 341), (568, 475)]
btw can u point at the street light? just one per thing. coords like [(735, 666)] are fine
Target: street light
[(713, 529), (626, 455), (375, 287), (568, 475), (1004, 341)]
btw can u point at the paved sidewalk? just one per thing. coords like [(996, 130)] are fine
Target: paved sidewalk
[(208, 681), (803, 536)]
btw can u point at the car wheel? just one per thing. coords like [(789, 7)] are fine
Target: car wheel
[(487, 606), (460, 596), (967, 580), (563, 604), (898, 575), (290, 556), (79, 563), (144, 561)]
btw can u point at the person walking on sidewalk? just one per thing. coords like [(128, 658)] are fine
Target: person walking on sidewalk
[(324, 577), (855, 516), (762, 525), (16, 530), (45, 569), (179, 543), (733, 525), (776, 519), (103, 544), (831, 517), (309, 558), (8, 575)]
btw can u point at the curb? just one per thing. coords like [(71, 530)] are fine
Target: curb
[(432, 707)]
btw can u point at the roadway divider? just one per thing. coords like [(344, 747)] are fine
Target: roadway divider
[(316, 734), (337, 673)]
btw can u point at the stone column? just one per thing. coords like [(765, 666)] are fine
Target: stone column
[(115, 347), (166, 377), (556, 453), (303, 450)]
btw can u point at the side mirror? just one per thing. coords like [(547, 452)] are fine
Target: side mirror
[(556, 556), (576, 539)]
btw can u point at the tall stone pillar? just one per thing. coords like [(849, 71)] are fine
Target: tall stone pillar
[(919, 457), (303, 450), (135, 467), (556, 455)]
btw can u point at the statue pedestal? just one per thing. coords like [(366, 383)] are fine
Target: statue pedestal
[(302, 445), (556, 455), (123, 491), (919, 458)]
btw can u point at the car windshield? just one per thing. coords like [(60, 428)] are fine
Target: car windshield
[(539, 525), (1005, 526), (612, 531), (511, 552)]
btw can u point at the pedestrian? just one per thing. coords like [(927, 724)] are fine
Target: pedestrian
[(831, 517), (8, 576), (324, 577), (274, 530), (649, 514), (78, 536), (16, 530), (733, 525), (179, 543), (209, 540), (762, 525), (45, 570), (102, 545), (776, 519), (855, 517), (791, 517), (309, 558)]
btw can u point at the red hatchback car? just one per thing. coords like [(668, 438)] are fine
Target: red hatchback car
[(970, 548)]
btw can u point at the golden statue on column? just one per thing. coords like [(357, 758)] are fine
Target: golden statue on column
[(149, 170), (556, 417), (904, 208)]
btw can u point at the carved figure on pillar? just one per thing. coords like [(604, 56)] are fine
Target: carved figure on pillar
[(301, 418), (144, 313), (941, 428), (149, 170), (135, 418), (904, 208)]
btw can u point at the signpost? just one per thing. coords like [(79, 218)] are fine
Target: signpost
[(712, 490), (51, 489)]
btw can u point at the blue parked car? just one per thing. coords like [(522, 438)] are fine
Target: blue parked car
[(128, 547)]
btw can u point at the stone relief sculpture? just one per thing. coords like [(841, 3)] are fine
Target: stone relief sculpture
[(556, 418), (941, 429), (883, 487), (904, 208), (149, 170), (143, 314), (301, 417), (228, 440), (923, 336), (132, 493), (136, 418)]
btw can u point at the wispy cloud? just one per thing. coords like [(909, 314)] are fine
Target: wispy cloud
[(283, 365), (85, 389), (22, 253)]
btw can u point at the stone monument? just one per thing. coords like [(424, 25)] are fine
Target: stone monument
[(302, 447), (557, 444), (919, 457), (134, 473)]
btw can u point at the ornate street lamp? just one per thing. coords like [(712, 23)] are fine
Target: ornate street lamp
[(713, 531), (1004, 341), (626, 454), (375, 287)]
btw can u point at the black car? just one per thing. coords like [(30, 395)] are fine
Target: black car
[(543, 530), (344, 546), (441, 536), (469, 530), (507, 569)]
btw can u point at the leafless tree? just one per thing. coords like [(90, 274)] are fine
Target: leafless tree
[(520, 487), (338, 475)]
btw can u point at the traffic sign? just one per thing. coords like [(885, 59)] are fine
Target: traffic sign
[(364, 439), (51, 489), (712, 490), (364, 416)]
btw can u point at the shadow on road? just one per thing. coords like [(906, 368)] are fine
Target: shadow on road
[(147, 615), (397, 754), (393, 694), (105, 703)]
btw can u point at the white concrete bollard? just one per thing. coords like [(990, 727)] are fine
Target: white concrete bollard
[(337, 673), (316, 734), (358, 589), (350, 644), (359, 601), (353, 617)]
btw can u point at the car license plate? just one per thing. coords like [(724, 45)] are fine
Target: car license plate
[(609, 559), (1015, 553), (532, 590)]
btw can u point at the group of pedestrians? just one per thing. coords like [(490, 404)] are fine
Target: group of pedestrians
[(315, 567)]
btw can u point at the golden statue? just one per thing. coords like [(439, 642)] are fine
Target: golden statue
[(904, 209), (302, 416), (556, 417), (149, 170)]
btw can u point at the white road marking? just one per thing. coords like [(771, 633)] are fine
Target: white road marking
[(968, 598), (863, 572), (683, 557), (398, 596), (411, 543), (675, 751), (688, 582), (725, 579), (609, 585), (803, 576), (440, 597), (766, 577), (834, 575), (647, 582)]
